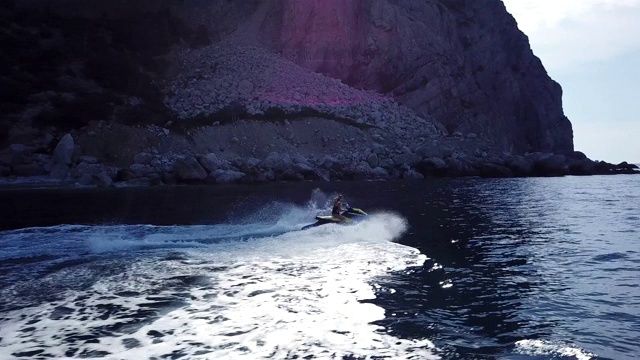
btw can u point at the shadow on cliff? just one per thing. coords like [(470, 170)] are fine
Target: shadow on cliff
[(237, 111), (65, 71)]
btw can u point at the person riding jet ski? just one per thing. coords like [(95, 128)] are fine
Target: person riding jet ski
[(339, 215), (337, 209)]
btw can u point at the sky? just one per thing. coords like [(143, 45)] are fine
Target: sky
[(592, 48)]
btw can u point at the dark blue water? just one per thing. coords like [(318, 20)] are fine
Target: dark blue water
[(538, 268)]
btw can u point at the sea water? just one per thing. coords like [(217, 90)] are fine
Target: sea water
[(536, 268)]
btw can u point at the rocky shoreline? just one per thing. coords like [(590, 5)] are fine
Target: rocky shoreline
[(69, 164)]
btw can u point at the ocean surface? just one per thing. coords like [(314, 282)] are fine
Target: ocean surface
[(535, 268)]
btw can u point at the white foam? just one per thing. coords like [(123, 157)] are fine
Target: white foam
[(298, 293), (542, 347)]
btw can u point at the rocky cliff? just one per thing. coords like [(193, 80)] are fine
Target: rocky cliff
[(259, 90), (464, 62)]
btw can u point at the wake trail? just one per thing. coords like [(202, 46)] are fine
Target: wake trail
[(273, 228)]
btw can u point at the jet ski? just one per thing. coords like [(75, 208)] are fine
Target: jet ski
[(351, 213)]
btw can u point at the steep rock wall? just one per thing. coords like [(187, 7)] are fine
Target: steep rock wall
[(464, 62)]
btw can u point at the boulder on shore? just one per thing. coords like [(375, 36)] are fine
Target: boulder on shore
[(63, 153), (189, 169)]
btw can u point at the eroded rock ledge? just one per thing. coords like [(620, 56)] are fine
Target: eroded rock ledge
[(230, 82)]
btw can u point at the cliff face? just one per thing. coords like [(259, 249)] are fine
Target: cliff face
[(464, 62), (165, 91)]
